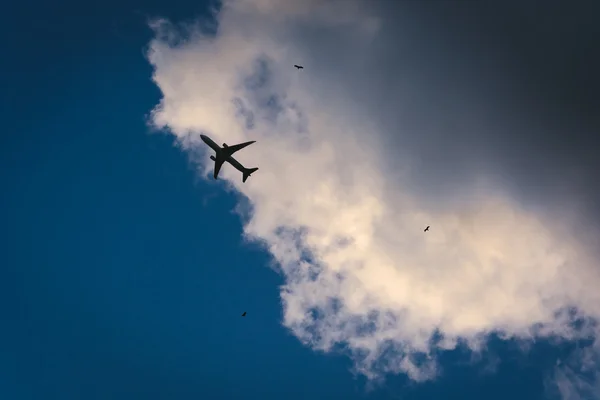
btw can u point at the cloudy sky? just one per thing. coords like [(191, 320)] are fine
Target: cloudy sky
[(128, 266)]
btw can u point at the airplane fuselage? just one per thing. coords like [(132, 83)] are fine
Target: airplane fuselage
[(220, 154)]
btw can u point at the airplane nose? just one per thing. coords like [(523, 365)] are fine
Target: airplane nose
[(203, 138)]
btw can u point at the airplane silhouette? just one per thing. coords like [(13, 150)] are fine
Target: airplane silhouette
[(224, 153), (244, 314), (426, 229), (299, 66)]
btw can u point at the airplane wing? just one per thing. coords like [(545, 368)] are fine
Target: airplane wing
[(236, 147), (218, 165)]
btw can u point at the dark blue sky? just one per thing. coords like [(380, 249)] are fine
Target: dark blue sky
[(121, 274)]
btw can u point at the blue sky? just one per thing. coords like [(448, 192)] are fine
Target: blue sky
[(124, 272)]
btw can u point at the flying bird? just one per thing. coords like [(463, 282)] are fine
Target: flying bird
[(298, 66), (244, 314), (426, 229)]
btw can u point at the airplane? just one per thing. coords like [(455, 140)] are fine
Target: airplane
[(224, 153), (426, 229), (244, 314), (299, 66)]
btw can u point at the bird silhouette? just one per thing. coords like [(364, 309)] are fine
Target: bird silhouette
[(298, 66), (426, 229), (244, 314)]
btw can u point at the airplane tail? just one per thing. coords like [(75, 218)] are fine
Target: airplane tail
[(247, 173)]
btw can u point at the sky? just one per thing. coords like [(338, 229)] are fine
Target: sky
[(125, 267)]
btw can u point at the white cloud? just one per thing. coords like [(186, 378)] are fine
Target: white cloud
[(346, 232)]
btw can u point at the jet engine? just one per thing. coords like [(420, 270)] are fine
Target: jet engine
[(213, 158), (224, 144)]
